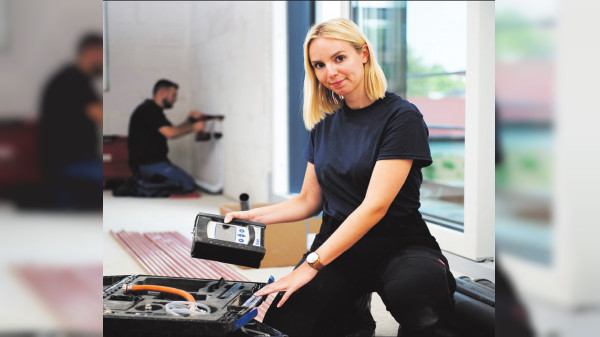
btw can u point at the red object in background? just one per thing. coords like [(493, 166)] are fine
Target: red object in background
[(525, 91), (447, 111), (69, 293), (185, 196), (115, 157), (19, 158)]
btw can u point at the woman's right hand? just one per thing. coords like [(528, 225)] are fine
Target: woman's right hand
[(243, 215), (307, 204)]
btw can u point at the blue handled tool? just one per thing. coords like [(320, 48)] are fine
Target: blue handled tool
[(254, 299), (249, 304), (245, 319)]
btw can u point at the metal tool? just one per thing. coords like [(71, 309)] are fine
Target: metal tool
[(253, 300), (231, 290)]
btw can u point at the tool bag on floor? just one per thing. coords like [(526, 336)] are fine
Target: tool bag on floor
[(155, 186)]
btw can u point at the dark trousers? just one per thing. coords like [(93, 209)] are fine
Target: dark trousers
[(76, 185), (415, 284)]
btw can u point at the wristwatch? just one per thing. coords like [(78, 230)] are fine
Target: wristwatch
[(313, 260)]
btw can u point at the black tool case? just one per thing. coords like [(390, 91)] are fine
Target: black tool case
[(143, 312)]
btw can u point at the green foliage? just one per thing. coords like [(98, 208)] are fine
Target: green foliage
[(445, 169), (443, 85), (448, 164), (429, 172), (518, 36)]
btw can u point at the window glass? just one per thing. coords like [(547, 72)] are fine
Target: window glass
[(421, 47), (525, 52)]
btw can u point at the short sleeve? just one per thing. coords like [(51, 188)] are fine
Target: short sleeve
[(68, 96), (88, 95), (309, 150), (156, 119), (406, 137)]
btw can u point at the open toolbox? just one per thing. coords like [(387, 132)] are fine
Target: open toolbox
[(146, 305)]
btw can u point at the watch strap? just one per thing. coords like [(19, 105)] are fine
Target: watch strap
[(317, 264)]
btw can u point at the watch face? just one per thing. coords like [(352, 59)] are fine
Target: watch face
[(311, 258)]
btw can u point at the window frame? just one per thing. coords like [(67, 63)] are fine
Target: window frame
[(5, 25), (477, 241), (568, 284), (105, 73), (279, 190)]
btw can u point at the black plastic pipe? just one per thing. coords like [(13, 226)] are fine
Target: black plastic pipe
[(244, 202), (476, 291), (486, 283), (473, 318), (482, 288)]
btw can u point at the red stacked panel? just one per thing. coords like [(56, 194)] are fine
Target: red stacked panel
[(115, 157), (19, 154)]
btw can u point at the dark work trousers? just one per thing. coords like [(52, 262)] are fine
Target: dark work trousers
[(414, 282)]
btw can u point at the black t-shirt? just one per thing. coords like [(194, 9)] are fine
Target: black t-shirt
[(345, 146), (145, 143), (67, 135)]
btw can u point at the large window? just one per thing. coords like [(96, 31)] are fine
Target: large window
[(439, 56), (421, 47), (525, 48)]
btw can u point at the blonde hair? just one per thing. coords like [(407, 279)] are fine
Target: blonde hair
[(318, 100)]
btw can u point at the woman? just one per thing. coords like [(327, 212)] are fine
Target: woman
[(365, 154)]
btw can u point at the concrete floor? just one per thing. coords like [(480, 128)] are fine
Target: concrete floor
[(42, 239), (149, 214)]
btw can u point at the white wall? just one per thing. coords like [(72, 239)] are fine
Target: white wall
[(148, 41), (42, 35), (220, 54), (231, 69)]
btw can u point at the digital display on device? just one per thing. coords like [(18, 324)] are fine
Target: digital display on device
[(228, 232), (238, 242), (224, 232)]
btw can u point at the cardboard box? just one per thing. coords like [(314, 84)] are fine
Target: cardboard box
[(314, 224), (285, 243)]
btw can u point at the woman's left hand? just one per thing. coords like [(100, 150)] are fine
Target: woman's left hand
[(290, 283)]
